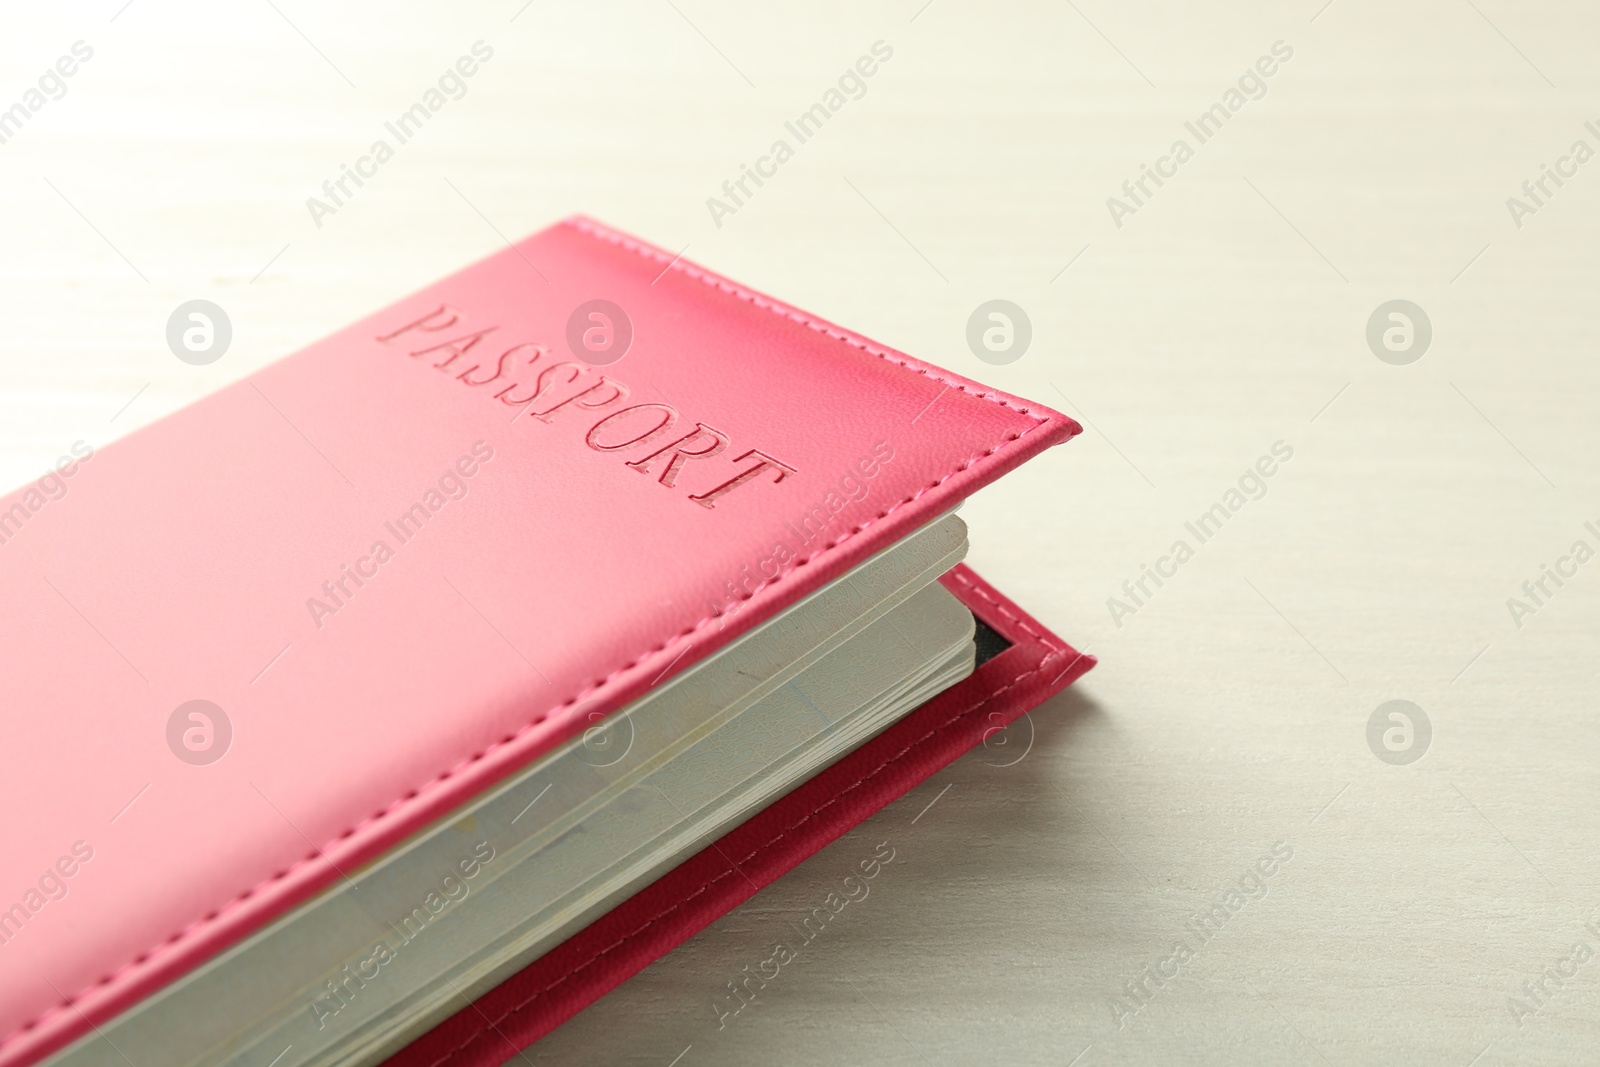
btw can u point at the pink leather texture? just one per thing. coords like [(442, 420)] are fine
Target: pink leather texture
[(403, 563), (767, 846)]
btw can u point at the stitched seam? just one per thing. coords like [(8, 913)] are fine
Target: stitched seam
[(734, 869), (683, 636), (1021, 623), (765, 303)]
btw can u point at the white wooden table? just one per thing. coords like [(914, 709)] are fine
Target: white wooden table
[(1226, 313)]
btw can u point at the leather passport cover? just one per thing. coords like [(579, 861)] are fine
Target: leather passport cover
[(724, 875), (264, 639)]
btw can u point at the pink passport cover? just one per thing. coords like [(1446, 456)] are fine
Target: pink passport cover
[(536, 571)]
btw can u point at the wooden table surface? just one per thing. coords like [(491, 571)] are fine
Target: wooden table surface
[(1430, 911)]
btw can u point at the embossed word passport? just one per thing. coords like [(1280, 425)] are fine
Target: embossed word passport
[(397, 702)]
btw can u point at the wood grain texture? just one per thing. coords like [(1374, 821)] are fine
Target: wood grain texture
[(1225, 314)]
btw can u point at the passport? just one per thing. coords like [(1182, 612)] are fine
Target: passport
[(530, 623)]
